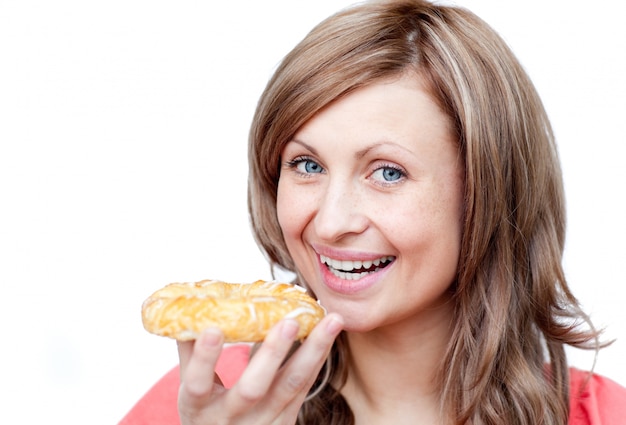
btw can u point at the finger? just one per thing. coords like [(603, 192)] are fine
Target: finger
[(198, 376), (300, 372), (297, 376), (259, 375), (185, 348)]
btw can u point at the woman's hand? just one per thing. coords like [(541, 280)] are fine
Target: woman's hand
[(266, 393)]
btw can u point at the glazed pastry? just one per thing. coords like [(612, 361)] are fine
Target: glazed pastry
[(244, 312)]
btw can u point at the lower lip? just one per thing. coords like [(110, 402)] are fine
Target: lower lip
[(350, 287)]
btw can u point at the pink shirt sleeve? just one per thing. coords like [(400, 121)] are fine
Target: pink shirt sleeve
[(596, 400), (159, 406)]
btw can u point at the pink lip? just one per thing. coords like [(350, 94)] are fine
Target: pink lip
[(346, 255), (349, 287)]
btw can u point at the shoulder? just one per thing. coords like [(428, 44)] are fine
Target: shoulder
[(159, 406), (595, 399)]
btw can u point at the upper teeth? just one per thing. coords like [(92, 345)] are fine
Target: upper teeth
[(349, 265)]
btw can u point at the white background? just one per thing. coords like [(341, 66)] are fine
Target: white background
[(123, 128)]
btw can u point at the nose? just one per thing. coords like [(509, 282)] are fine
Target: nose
[(341, 211)]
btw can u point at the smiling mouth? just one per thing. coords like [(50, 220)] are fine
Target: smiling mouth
[(354, 270)]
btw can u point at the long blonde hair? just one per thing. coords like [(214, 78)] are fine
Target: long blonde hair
[(514, 310)]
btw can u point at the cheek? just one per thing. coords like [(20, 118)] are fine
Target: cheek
[(288, 213), (452, 224), (281, 207), (434, 223)]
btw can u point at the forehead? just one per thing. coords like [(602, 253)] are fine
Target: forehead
[(403, 103)]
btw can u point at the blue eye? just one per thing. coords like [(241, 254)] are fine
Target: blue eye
[(306, 166), (388, 174)]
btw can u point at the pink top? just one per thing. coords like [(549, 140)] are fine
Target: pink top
[(594, 400)]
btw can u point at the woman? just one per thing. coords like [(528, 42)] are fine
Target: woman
[(403, 167)]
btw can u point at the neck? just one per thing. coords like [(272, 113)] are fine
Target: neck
[(393, 370)]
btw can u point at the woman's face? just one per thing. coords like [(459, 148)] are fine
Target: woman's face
[(370, 204)]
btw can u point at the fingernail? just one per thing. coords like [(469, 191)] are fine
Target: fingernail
[(334, 326), (211, 338), (289, 329)]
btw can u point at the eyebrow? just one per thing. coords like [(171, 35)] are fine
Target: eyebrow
[(360, 153), (306, 145)]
